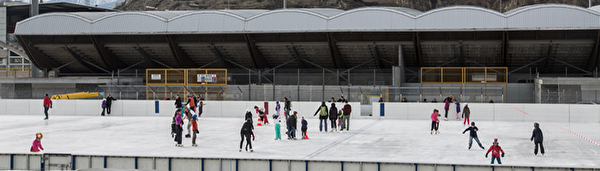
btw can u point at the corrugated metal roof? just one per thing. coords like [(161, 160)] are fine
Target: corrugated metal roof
[(324, 11), (534, 17), (93, 15), (245, 13)]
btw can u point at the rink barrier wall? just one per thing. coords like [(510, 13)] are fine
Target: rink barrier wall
[(81, 162), (493, 111), (230, 109), (236, 109)]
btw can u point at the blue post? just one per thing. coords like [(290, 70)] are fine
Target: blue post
[(42, 163), (306, 164), (270, 165), (416, 167), (378, 166), (105, 161), (73, 162), (12, 161), (381, 109), (136, 163), (169, 163), (493, 168), (202, 162), (532, 168), (236, 164), (453, 167), (342, 165), (156, 109)]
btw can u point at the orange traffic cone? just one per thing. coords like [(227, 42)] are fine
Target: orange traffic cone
[(259, 122)]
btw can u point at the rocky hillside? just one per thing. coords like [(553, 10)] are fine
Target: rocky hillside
[(422, 5)]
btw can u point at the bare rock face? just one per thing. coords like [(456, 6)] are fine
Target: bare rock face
[(421, 5)]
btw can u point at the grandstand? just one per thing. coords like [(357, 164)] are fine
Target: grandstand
[(374, 46)]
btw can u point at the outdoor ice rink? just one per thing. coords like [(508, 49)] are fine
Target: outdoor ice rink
[(379, 140)]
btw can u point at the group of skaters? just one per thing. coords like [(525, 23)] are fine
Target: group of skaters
[(537, 136), (188, 113)]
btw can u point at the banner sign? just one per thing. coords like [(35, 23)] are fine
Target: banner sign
[(207, 78)]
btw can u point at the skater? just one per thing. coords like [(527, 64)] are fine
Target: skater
[(538, 136), (287, 108), (194, 130), (261, 114), (277, 127), (466, 114), (174, 126), (248, 115), (473, 135), (322, 116), (48, 105), (246, 132), (305, 128), (340, 115), (109, 100), (342, 100), (447, 106), (434, 100), (103, 106), (496, 149), (346, 119), (200, 106), (333, 116), (179, 123), (37, 143), (177, 102), (291, 126), (435, 122), (277, 110), (191, 103), (457, 110), (189, 112)]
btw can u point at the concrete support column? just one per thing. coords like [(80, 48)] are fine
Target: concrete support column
[(537, 95)]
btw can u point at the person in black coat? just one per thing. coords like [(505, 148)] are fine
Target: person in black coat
[(177, 102), (539, 138), (109, 100), (473, 135), (291, 126), (322, 116), (333, 116), (246, 132)]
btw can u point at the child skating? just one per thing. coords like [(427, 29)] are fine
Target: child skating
[(194, 130), (457, 110), (466, 114), (538, 138), (305, 128), (473, 135), (37, 143), (246, 132), (496, 149), (179, 129), (435, 122), (277, 128)]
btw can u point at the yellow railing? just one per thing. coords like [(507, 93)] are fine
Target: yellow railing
[(14, 72), (176, 81), (187, 77), (469, 75)]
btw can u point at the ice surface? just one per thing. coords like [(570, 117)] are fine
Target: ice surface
[(382, 140)]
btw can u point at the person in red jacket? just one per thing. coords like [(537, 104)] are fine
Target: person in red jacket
[(496, 149), (47, 105), (37, 143)]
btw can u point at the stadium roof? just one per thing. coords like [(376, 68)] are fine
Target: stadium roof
[(378, 19), (550, 37)]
